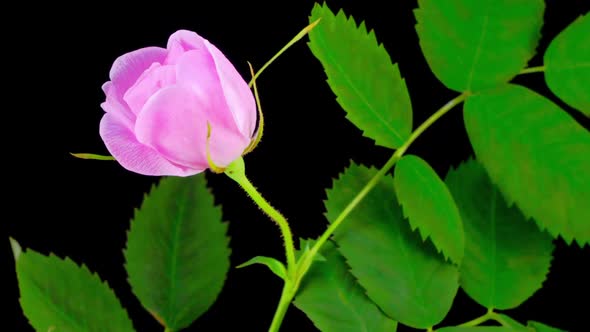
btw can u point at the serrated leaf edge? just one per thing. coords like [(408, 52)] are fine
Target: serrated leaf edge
[(83, 267), (510, 201), (136, 210), (370, 34), (426, 237)]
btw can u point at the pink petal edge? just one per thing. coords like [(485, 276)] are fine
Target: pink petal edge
[(180, 42), (128, 67), (238, 96), (134, 156), (114, 104)]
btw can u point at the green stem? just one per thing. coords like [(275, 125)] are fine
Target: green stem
[(236, 171), (482, 319), (275, 215), (292, 285), (373, 182), (168, 330), (286, 298), (531, 70)]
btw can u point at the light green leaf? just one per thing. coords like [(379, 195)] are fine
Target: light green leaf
[(404, 276), (476, 329), (507, 258), (333, 300), (57, 294), (429, 206), (177, 251), (473, 45), (305, 246), (274, 265), (539, 327), (367, 85), (538, 156), (567, 64)]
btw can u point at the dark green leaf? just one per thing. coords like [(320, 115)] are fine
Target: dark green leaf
[(429, 206), (367, 85), (403, 275), (58, 295), (567, 64), (333, 300), (274, 265), (473, 45), (177, 251), (538, 156), (507, 258)]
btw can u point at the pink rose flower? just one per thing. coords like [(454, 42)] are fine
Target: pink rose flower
[(159, 101)]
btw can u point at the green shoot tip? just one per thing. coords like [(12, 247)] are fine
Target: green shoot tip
[(92, 156), (16, 248)]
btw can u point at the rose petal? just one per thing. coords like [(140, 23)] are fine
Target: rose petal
[(117, 107), (197, 70), (134, 156), (174, 122), (153, 79), (238, 96), (180, 42), (128, 67)]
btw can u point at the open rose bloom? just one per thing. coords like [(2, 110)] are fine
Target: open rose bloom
[(159, 101)]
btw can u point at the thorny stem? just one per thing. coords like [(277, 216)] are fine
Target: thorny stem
[(236, 171)]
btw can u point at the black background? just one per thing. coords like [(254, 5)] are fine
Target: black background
[(58, 58)]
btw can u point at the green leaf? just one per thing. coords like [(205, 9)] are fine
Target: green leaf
[(476, 329), (539, 327), (367, 85), (473, 45), (429, 206), (333, 300), (506, 258), (274, 265), (508, 321), (404, 276), (57, 294), (537, 154), (567, 65), (177, 251)]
